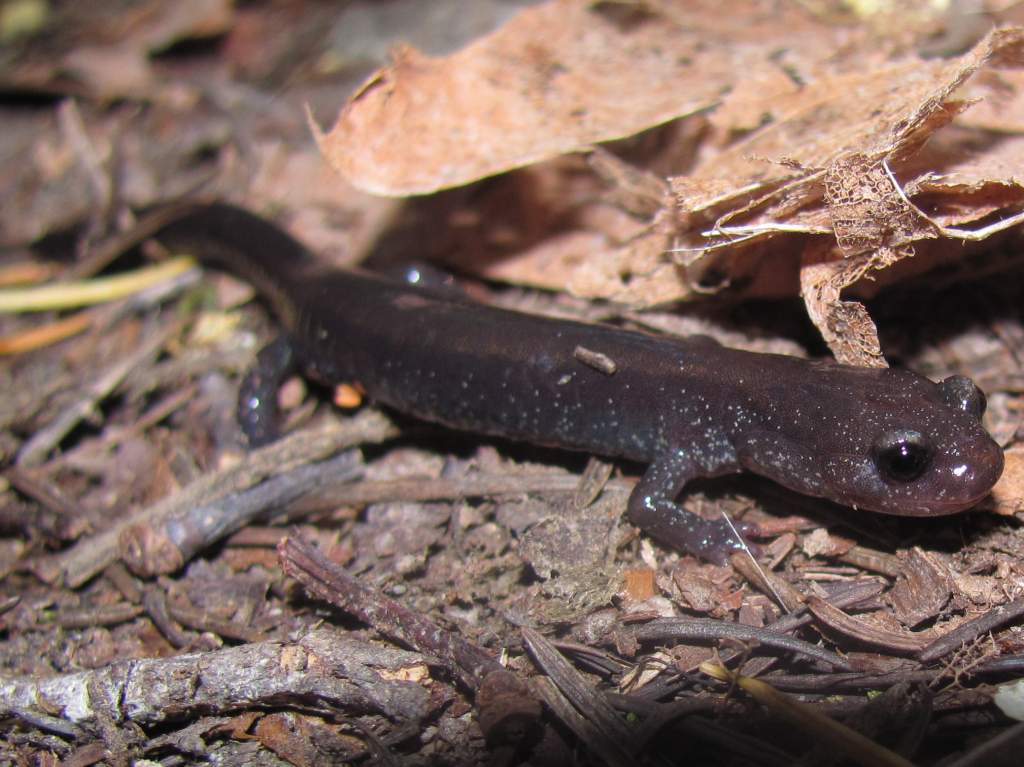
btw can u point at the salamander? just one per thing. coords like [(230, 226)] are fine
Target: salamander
[(886, 440)]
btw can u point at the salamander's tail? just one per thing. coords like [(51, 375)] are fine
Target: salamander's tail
[(253, 248)]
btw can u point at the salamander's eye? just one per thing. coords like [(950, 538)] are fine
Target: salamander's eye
[(901, 456)]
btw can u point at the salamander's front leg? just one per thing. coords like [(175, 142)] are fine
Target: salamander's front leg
[(653, 507), (257, 395)]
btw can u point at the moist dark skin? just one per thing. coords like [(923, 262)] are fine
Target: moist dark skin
[(879, 439)]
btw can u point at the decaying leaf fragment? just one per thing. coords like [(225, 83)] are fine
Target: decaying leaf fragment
[(873, 226), (556, 79), (861, 137), (817, 160)]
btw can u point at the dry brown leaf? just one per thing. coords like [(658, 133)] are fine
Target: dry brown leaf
[(835, 150), (816, 197), (968, 174), (873, 226), (554, 80), (1001, 105), (882, 113), (845, 325), (776, 180), (866, 209), (1008, 494)]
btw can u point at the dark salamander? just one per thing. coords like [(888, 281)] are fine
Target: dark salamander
[(880, 439)]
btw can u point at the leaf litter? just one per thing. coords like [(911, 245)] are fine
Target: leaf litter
[(806, 164), (642, 152)]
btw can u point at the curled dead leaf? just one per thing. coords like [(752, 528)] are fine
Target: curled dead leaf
[(557, 78)]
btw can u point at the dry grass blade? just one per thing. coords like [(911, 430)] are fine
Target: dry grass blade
[(87, 292), (850, 742)]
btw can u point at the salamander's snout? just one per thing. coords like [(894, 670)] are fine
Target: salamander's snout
[(919, 448), (967, 474), (910, 474), (928, 478), (970, 462)]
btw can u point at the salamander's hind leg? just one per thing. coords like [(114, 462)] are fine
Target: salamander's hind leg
[(653, 507), (257, 395)]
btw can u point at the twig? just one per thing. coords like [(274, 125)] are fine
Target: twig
[(90, 556), (707, 629), (73, 128), (105, 615), (158, 549), (67, 513), (848, 596), (101, 317), (100, 290), (154, 601), (200, 620), (601, 746), (46, 439), (191, 364), (746, 562), (850, 684), (506, 710), (114, 436), (102, 256), (873, 560), (125, 583), (325, 669), (968, 632), (45, 335), (329, 582)]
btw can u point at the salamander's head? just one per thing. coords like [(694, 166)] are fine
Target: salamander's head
[(921, 449)]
